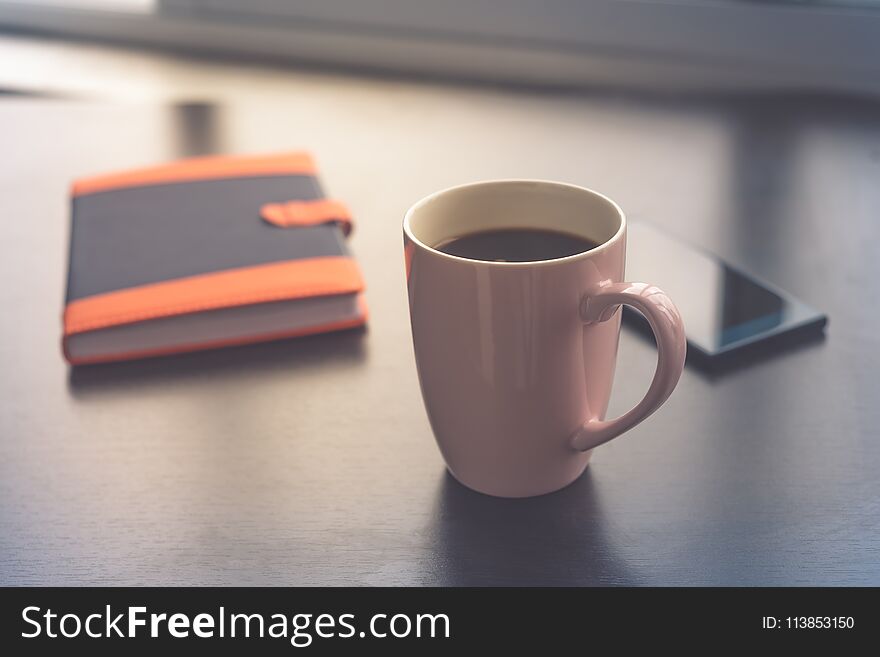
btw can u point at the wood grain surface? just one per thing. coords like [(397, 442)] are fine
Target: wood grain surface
[(310, 461)]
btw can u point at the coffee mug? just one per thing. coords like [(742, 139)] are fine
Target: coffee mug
[(516, 359)]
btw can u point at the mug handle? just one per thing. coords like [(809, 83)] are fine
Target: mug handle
[(599, 305)]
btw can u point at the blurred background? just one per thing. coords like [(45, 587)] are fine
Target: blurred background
[(805, 44)]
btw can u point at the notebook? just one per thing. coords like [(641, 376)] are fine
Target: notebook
[(205, 253)]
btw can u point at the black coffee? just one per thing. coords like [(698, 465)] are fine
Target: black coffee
[(516, 245)]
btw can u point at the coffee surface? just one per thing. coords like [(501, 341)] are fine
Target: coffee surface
[(516, 245)]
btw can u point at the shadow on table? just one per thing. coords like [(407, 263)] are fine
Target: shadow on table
[(560, 539), (328, 350)]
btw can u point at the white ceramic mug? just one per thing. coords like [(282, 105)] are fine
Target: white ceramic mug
[(516, 359)]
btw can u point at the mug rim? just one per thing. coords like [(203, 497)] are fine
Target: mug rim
[(621, 229)]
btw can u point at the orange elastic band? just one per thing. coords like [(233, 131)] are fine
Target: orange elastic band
[(202, 168), (277, 281), (307, 213)]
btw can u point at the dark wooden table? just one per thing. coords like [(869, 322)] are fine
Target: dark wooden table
[(311, 461)]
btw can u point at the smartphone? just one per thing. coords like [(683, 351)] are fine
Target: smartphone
[(725, 310)]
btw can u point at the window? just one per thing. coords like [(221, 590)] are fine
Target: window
[(818, 44)]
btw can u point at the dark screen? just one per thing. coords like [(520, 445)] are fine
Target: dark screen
[(720, 306), (746, 307)]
